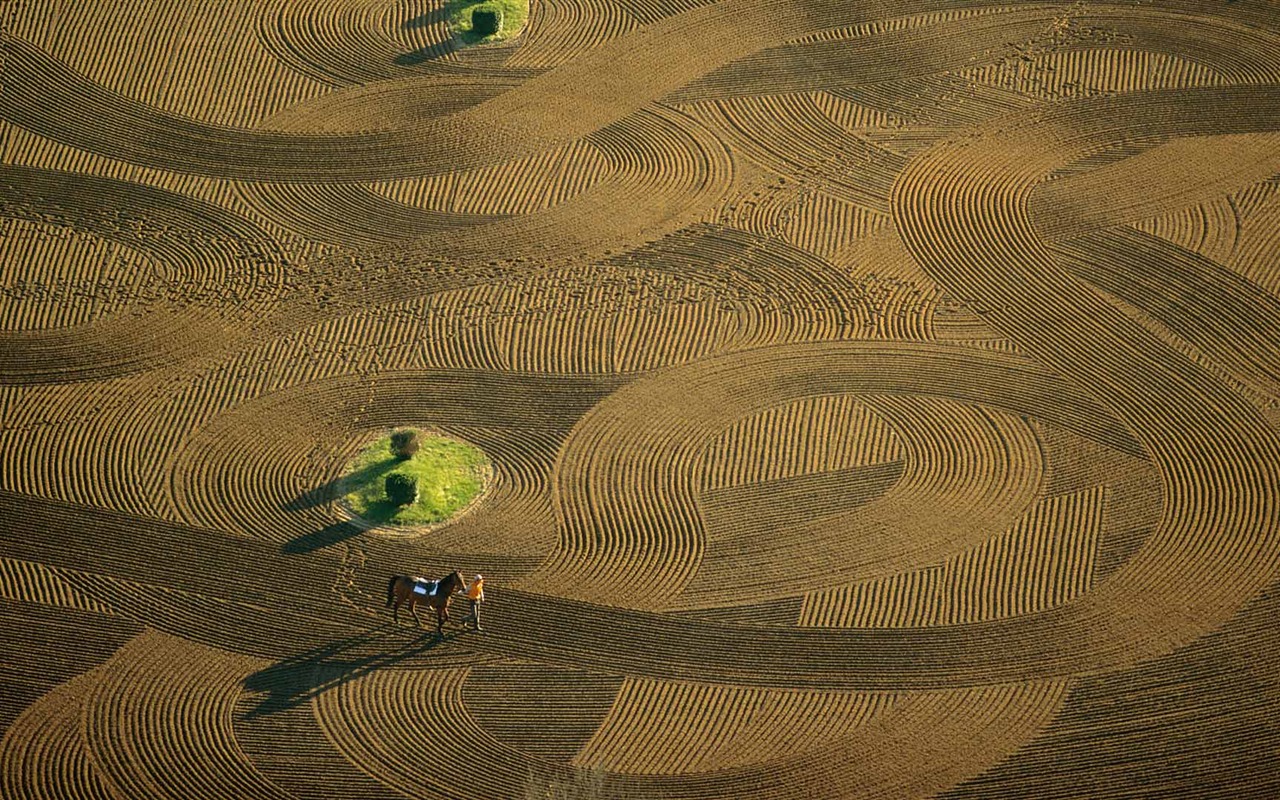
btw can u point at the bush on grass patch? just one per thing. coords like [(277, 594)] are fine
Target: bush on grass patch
[(486, 21), (405, 443), (402, 490)]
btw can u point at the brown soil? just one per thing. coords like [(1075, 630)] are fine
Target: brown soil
[(882, 396)]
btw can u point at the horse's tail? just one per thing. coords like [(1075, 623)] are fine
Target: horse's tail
[(391, 591)]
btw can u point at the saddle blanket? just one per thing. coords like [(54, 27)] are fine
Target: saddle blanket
[(427, 588)]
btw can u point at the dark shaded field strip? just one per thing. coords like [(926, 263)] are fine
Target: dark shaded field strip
[(1240, 52), (1229, 319), (47, 97), (240, 614), (1197, 723), (226, 265)]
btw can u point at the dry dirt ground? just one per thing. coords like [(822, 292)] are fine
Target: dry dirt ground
[(882, 397)]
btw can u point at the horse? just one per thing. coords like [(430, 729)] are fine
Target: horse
[(400, 589)]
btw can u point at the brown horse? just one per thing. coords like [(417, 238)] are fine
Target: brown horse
[(401, 589)]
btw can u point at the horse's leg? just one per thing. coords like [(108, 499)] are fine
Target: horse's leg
[(413, 606), (395, 609), (442, 614)]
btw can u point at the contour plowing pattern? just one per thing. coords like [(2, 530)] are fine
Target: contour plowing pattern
[(883, 398)]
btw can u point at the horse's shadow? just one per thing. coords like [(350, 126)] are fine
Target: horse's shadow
[(298, 679)]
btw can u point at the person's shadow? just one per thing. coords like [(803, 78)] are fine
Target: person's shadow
[(297, 679)]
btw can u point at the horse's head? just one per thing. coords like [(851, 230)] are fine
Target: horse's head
[(458, 580)]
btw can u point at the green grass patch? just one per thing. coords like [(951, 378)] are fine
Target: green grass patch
[(514, 14), (450, 475)]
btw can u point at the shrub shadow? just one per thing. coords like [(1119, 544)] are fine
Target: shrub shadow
[(332, 490), (333, 534), (432, 17)]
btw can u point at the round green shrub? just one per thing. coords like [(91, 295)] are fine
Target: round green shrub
[(405, 443), (402, 489), (486, 21)]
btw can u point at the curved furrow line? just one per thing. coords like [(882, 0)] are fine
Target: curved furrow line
[(34, 582), (661, 728), (232, 626), (49, 646), (1121, 193), (383, 723), (427, 709), (599, 319), (85, 278), (912, 749), (802, 215), (154, 54), (1223, 683), (819, 434), (956, 453), (524, 186), (851, 115), (214, 266), (1209, 228), (275, 726), (66, 448), (789, 135), (545, 711), (1215, 545), (991, 46), (515, 521), (651, 11), (548, 110), (448, 207), (45, 753), (1256, 245), (101, 121), (635, 203), (271, 607), (354, 216), (258, 468), (966, 475), (775, 292), (1228, 320), (626, 482), (1045, 559), (1059, 75), (388, 105), (561, 30), (516, 623), (1134, 499), (872, 53), (784, 612), (351, 42), (159, 729), (159, 414)]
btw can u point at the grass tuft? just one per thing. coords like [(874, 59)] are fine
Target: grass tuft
[(450, 475)]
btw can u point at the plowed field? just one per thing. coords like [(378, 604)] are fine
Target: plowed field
[(883, 398)]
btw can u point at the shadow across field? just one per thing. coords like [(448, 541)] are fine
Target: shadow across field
[(297, 679), (327, 536), (334, 489)]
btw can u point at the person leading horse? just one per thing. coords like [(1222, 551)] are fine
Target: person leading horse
[(414, 590)]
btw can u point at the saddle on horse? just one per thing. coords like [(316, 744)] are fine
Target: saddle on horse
[(425, 587)]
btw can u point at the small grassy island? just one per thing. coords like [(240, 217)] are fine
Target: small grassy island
[(508, 16), (444, 475)]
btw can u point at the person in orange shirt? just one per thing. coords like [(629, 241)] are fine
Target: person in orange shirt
[(475, 594)]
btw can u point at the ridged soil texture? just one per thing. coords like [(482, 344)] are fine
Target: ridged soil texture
[(883, 399)]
